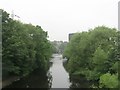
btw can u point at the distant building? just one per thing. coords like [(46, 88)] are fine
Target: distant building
[(70, 36)]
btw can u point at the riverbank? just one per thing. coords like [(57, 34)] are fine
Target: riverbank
[(9, 81), (37, 79), (56, 77)]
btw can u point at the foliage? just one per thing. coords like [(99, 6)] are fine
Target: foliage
[(93, 53), (109, 81), (58, 46), (25, 47)]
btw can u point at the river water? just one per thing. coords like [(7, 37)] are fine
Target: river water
[(56, 77), (59, 75)]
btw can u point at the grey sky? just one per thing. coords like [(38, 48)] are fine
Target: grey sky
[(61, 17)]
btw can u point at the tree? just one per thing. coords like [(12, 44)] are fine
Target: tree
[(109, 81), (93, 53), (25, 47)]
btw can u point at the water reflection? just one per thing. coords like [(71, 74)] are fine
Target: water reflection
[(59, 74), (56, 77), (35, 80), (79, 82)]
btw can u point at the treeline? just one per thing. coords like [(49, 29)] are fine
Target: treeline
[(96, 55), (58, 46), (24, 47)]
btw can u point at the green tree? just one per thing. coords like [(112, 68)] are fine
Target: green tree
[(93, 53), (109, 81), (25, 47)]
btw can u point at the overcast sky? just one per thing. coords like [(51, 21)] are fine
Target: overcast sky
[(61, 17)]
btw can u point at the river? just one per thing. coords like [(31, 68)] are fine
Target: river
[(56, 77), (60, 76)]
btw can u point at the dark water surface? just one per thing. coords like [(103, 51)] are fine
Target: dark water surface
[(56, 77)]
